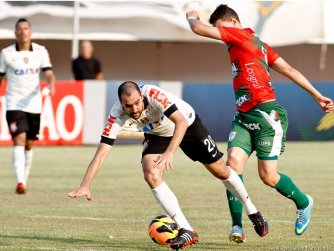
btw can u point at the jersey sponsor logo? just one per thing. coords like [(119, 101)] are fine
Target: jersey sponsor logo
[(241, 100), (151, 126), (252, 126), (251, 76), (26, 71), (264, 143), (160, 97), (110, 121), (232, 135)]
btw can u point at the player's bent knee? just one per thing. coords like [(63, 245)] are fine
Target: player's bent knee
[(218, 169), (235, 163), (152, 179), (269, 180)]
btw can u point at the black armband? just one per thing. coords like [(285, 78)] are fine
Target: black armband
[(107, 141), (170, 110), (46, 69)]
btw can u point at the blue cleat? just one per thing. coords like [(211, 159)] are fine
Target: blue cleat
[(303, 217), (237, 235)]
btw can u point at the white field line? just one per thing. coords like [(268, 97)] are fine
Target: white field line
[(118, 219)]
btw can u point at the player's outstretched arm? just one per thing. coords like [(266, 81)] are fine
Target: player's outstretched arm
[(294, 75), (200, 28), (93, 168)]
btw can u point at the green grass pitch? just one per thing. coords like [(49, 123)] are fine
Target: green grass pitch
[(118, 216)]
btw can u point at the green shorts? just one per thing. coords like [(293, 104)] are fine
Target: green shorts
[(262, 129)]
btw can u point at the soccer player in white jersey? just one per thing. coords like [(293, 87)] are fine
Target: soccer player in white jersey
[(167, 122), (22, 63)]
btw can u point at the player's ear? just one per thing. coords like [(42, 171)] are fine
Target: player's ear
[(234, 21)]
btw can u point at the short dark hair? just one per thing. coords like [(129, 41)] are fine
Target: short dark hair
[(20, 21), (126, 88), (223, 12)]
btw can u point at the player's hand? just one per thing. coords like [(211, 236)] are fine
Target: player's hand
[(81, 191), (164, 160), (326, 104), (192, 13), (52, 90)]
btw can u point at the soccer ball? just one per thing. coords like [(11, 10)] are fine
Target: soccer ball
[(163, 230)]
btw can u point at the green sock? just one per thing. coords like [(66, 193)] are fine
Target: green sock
[(235, 208), (287, 188)]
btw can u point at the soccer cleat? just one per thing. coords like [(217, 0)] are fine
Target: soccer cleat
[(237, 235), (260, 224), (21, 189), (303, 217), (184, 238)]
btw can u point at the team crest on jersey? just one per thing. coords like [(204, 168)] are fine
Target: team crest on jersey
[(150, 111), (144, 120), (232, 135), (26, 60), (13, 127)]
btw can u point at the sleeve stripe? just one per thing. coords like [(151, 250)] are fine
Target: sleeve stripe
[(107, 141), (170, 110)]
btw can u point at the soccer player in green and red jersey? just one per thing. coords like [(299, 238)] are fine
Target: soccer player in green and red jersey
[(260, 123)]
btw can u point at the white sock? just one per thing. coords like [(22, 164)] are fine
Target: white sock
[(28, 161), (168, 201), (18, 161), (235, 186)]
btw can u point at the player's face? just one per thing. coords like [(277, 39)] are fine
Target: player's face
[(133, 105), (23, 32)]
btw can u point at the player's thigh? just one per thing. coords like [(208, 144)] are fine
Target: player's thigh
[(269, 140), (153, 146), (240, 142), (198, 144), (34, 126), (17, 122), (152, 175)]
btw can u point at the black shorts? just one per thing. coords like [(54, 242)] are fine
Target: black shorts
[(19, 122), (197, 144)]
